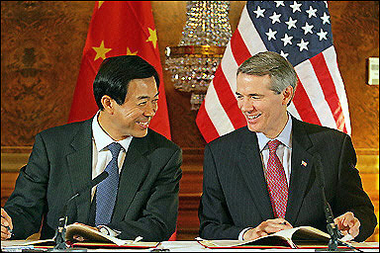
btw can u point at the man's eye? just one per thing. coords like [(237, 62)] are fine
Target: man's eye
[(255, 97), (142, 103)]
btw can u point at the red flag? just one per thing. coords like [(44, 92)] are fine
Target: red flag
[(299, 31), (118, 28)]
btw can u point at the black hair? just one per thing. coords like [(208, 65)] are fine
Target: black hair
[(114, 76)]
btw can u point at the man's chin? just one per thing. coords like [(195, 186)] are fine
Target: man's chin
[(253, 128), (140, 133)]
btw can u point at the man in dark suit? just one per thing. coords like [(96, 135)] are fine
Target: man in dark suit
[(66, 158), (262, 178)]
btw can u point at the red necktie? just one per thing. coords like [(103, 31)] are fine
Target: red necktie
[(276, 181)]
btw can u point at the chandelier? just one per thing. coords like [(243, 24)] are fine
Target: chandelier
[(204, 38)]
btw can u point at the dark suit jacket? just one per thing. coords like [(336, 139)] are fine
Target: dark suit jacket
[(235, 194), (61, 164)]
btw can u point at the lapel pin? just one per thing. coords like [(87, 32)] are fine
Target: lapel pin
[(303, 163)]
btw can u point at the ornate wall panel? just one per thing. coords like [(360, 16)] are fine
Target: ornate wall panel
[(41, 49), (355, 27)]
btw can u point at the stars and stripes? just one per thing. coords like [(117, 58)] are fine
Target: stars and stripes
[(301, 32)]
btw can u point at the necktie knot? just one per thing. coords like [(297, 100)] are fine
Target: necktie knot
[(115, 148), (272, 145)]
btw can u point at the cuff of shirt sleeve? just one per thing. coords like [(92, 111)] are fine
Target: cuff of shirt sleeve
[(241, 234), (108, 231)]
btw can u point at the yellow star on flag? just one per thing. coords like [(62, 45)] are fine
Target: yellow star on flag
[(130, 53), (152, 37), (100, 4), (101, 51)]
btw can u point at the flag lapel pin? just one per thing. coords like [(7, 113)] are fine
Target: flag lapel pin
[(303, 163)]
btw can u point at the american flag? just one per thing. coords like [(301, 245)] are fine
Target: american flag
[(300, 32)]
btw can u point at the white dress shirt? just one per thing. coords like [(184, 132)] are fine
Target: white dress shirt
[(101, 155), (284, 150)]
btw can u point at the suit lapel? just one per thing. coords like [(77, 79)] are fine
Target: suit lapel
[(252, 169), (135, 169), (80, 168), (302, 164)]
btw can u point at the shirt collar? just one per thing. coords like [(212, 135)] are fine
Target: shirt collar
[(284, 137), (102, 139)]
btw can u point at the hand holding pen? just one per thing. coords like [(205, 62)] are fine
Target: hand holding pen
[(6, 225), (267, 227)]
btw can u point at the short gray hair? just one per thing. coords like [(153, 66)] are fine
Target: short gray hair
[(279, 69)]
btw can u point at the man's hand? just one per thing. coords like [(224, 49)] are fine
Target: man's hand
[(348, 224), (267, 227), (6, 225), (79, 237)]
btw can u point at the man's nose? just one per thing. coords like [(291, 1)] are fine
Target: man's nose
[(246, 105), (150, 109)]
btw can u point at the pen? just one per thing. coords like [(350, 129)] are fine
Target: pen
[(7, 227), (138, 238)]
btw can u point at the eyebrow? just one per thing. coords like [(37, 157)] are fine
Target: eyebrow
[(146, 97), (253, 94)]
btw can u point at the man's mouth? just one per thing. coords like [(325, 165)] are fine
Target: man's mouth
[(252, 117), (143, 124)]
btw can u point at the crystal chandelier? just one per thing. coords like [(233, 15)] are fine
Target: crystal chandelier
[(204, 38)]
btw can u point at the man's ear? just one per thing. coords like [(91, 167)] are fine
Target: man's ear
[(288, 94), (108, 104)]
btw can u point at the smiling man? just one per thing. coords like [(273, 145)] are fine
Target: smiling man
[(261, 178), (140, 195)]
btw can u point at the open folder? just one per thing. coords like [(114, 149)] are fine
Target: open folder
[(300, 237), (93, 239)]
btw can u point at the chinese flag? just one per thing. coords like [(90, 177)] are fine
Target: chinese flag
[(118, 28)]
